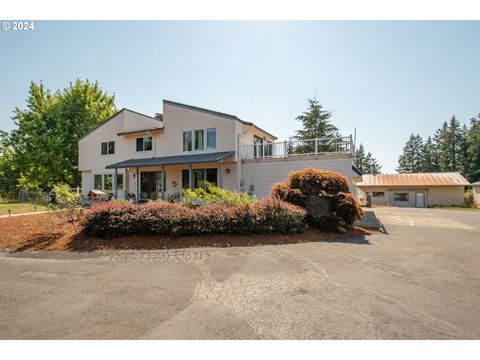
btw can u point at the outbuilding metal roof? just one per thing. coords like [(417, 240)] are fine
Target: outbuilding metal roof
[(415, 179), (173, 160)]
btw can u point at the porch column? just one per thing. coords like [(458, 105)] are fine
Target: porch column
[(137, 184), (220, 175), (190, 177), (115, 183), (163, 182)]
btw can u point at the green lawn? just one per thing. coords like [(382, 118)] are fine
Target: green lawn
[(18, 208)]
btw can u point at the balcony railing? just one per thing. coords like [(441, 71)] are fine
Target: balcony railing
[(320, 146)]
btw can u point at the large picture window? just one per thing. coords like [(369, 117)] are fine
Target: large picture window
[(144, 143), (108, 148), (200, 176), (104, 182)]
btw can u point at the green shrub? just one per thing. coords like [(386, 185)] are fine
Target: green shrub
[(324, 194), (214, 195), (66, 207), (114, 218), (469, 198)]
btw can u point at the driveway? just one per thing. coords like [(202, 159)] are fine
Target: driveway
[(419, 281)]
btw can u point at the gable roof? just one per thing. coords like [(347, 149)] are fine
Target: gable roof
[(216, 113), (414, 179), (113, 116)]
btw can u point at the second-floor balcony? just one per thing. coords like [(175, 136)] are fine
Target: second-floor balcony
[(288, 148)]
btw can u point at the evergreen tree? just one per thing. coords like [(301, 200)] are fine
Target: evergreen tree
[(372, 166), (366, 163), (411, 159), (441, 144), (316, 122), (359, 159), (472, 139), (452, 146), (429, 157)]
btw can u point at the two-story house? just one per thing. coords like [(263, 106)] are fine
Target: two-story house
[(132, 155)]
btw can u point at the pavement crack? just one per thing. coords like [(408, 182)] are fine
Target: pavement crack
[(401, 303)]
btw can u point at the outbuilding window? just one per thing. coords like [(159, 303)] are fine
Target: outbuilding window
[(400, 196), (378, 194)]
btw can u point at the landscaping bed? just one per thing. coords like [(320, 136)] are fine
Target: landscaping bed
[(48, 232)]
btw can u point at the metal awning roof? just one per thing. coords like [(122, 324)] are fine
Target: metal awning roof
[(173, 160), (136, 131)]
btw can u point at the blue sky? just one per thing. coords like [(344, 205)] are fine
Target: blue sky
[(387, 79)]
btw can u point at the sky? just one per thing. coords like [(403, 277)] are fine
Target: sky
[(387, 79)]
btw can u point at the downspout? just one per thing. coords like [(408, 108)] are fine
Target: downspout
[(239, 163)]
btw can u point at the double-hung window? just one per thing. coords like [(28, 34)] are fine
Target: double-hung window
[(108, 147), (200, 139), (144, 143)]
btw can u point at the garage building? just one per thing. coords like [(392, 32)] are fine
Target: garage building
[(413, 190)]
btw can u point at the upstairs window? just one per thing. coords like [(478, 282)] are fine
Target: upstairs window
[(108, 148), (211, 138), (200, 139), (144, 143), (187, 141)]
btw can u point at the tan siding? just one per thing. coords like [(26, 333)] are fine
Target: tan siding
[(476, 194), (262, 175), (446, 195), (435, 195), (177, 120), (135, 121)]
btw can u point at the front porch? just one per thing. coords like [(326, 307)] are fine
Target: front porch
[(165, 177)]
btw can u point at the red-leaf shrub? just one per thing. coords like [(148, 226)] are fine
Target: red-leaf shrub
[(156, 218), (324, 194)]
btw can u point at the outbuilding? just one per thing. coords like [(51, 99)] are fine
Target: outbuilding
[(476, 192), (413, 190)]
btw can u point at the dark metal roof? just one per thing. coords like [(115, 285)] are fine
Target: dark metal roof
[(140, 130), (354, 168), (216, 113), (173, 160), (111, 117)]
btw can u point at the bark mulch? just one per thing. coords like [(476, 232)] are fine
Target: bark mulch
[(48, 232)]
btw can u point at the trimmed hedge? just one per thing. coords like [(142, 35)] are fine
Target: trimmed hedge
[(324, 194), (116, 218)]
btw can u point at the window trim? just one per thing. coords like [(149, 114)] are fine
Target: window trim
[(205, 148), (143, 143), (107, 148), (407, 198), (102, 182), (191, 141)]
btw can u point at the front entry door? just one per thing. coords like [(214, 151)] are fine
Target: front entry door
[(420, 200)]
